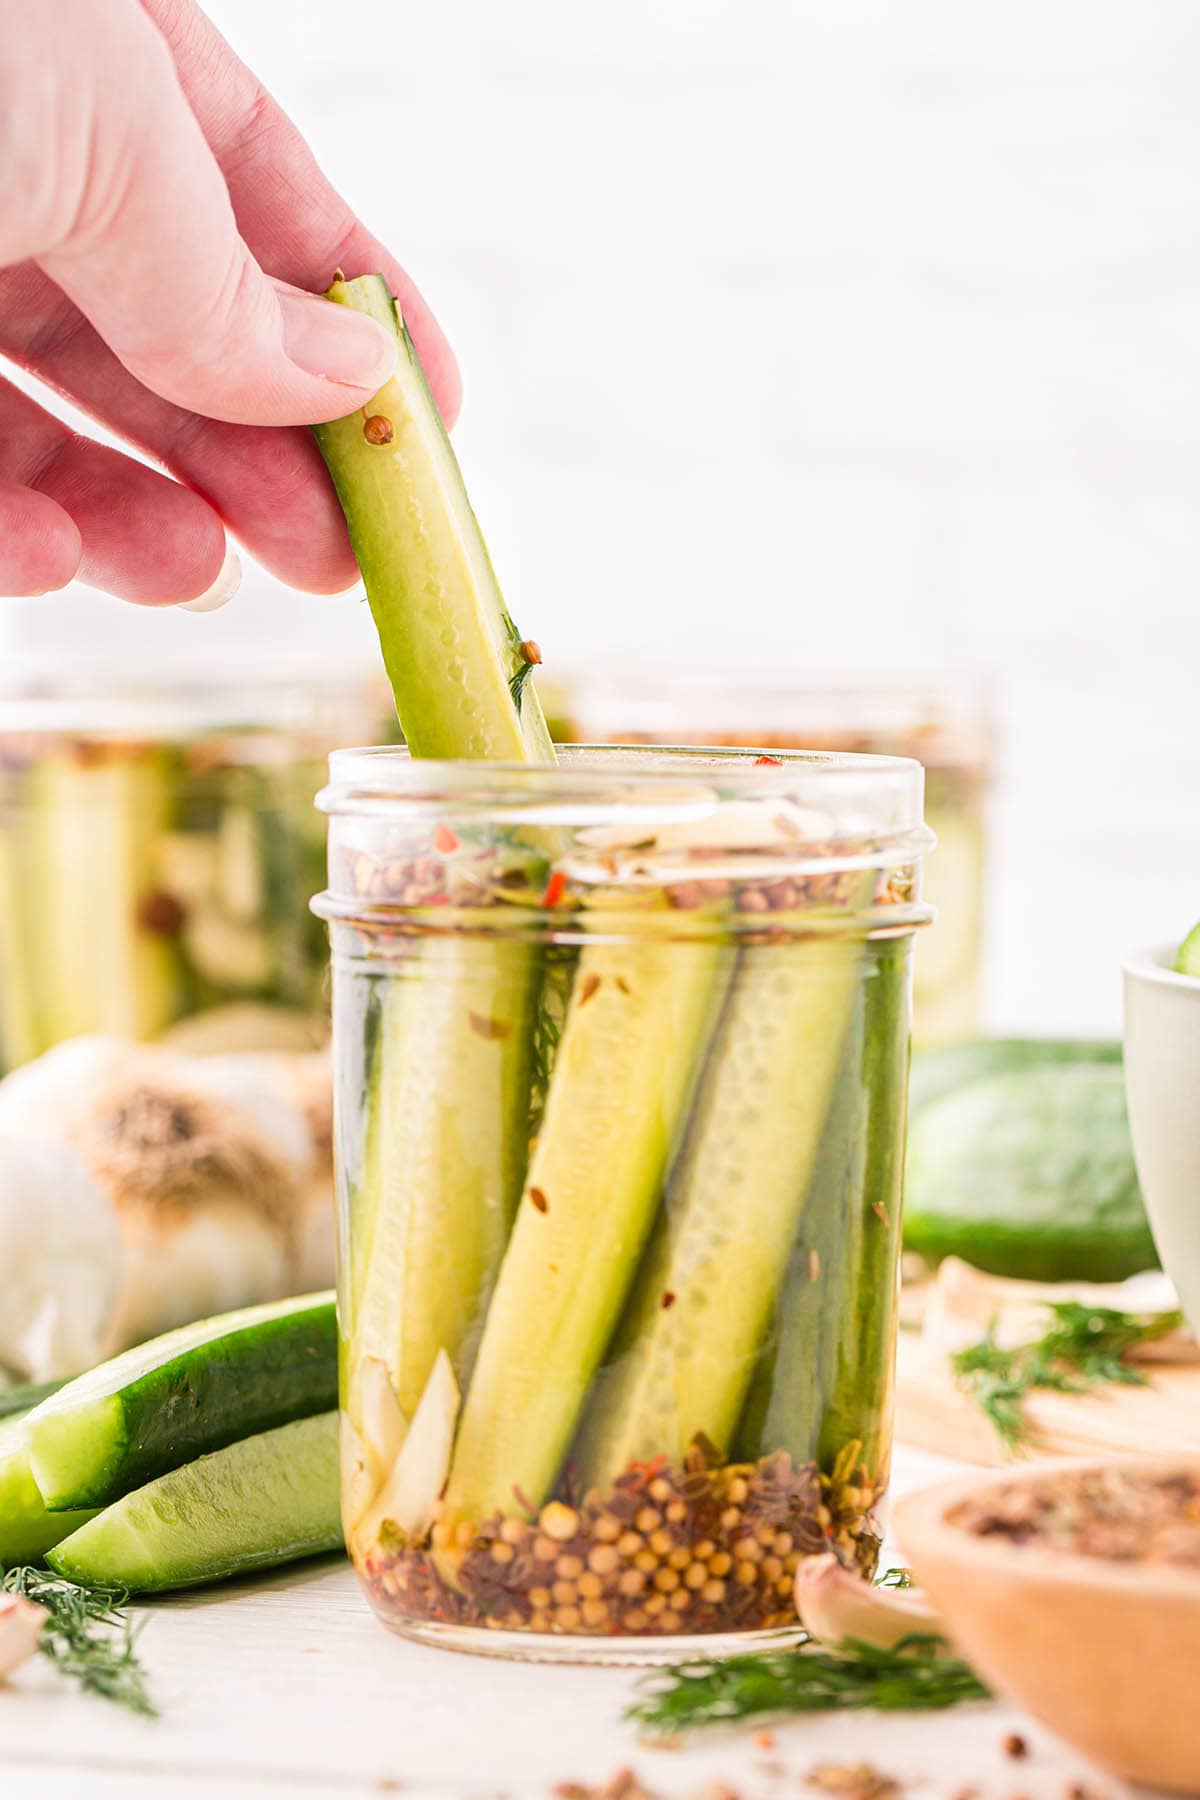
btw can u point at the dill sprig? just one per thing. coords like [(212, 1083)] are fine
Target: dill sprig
[(87, 1637), (1084, 1348), (915, 1676)]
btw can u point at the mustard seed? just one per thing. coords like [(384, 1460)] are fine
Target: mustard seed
[(603, 1559), (569, 1567), (559, 1522)]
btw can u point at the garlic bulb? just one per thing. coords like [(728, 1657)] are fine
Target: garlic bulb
[(62, 1257), (205, 1173)]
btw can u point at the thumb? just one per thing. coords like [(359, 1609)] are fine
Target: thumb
[(154, 259)]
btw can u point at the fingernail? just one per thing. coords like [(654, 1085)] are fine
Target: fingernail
[(333, 341), (222, 590)]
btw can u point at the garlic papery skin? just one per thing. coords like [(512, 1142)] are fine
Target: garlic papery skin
[(836, 1606), (62, 1257), (21, 1624)]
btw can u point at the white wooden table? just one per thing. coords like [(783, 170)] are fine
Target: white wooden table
[(287, 1686)]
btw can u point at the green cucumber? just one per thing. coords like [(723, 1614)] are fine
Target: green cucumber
[(20, 1032), (795, 1371), (859, 1406), (178, 1396), (101, 962), (627, 1062), (939, 1071), (267, 1499), (446, 1140), (1187, 962), (27, 1530), (453, 655), (687, 1348), (1029, 1172)]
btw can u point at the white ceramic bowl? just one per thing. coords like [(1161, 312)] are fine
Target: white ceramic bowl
[(1162, 1086)]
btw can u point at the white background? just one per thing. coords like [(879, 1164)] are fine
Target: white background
[(821, 334)]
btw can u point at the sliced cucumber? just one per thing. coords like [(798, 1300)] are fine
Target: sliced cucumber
[(864, 1326), (267, 1499), (96, 827), (452, 653), (627, 1062), (178, 1396), (20, 1026), (1188, 960), (27, 1530), (444, 1155), (686, 1351)]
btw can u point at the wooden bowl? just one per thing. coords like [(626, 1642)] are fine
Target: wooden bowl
[(1106, 1654)]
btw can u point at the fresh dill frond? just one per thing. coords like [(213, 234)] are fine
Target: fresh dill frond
[(1084, 1348), (86, 1636), (895, 1578), (915, 1676)]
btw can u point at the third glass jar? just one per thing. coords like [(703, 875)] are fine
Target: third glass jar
[(621, 1056)]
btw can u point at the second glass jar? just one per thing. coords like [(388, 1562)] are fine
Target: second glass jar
[(621, 1057)]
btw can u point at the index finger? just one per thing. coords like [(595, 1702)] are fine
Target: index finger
[(296, 223)]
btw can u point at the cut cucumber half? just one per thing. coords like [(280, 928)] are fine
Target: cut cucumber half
[(687, 1349), (453, 654), (268, 1499), (627, 1063), (1188, 960), (27, 1530), (176, 1397)]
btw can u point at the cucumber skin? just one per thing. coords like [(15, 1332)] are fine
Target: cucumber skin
[(267, 1499), (1030, 1173), (732, 1212), (861, 1399), (626, 1067), (27, 1530), (459, 681), (270, 1366), (443, 1159), (795, 1371), (949, 1066)]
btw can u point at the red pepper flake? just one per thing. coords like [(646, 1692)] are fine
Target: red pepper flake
[(668, 1300), (539, 1199), (776, 762), (881, 1213), (765, 1740), (587, 988), (491, 1029), (444, 841), (1015, 1746), (554, 889)]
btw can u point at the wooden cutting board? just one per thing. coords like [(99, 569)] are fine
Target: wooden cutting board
[(933, 1413)]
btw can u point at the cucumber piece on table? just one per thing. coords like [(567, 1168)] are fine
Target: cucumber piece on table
[(939, 1071), (27, 1530), (452, 652), (446, 1140), (1030, 1173), (627, 1062), (267, 1499), (16, 1400), (687, 1348), (176, 1397)]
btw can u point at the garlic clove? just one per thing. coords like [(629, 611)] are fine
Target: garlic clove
[(21, 1624), (419, 1472), (836, 1606)]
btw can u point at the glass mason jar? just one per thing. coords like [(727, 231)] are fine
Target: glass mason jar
[(153, 845), (946, 724), (621, 1051)]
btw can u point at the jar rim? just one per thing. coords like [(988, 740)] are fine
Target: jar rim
[(822, 796)]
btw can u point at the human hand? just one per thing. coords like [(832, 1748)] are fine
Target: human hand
[(164, 230)]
